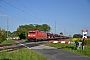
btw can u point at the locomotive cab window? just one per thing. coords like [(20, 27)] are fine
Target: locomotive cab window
[(31, 32)]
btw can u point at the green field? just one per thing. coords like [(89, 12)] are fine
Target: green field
[(72, 48), (22, 54)]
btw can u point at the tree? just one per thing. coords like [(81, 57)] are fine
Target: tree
[(2, 35), (77, 36), (46, 27), (29, 27), (22, 32), (61, 33), (39, 27)]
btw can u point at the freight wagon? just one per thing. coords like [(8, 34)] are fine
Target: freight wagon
[(35, 35)]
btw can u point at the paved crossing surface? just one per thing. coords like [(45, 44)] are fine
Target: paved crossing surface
[(52, 53)]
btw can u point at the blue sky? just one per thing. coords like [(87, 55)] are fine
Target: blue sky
[(71, 16)]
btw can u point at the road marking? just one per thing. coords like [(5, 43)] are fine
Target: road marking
[(23, 45)]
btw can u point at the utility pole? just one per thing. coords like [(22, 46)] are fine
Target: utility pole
[(7, 28), (64, 31), (55, 26)]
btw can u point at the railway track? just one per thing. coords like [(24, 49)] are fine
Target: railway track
[(16, 46), (20, 44), (10, 47)]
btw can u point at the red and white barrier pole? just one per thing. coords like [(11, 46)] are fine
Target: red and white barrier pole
[(60, 42)]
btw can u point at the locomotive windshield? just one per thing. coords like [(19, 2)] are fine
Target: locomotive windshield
[(31, 32)]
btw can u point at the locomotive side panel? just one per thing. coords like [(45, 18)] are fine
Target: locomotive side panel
[(42, 35)]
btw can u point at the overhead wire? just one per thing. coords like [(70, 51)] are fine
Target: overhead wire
[(29, 10), (13, 15), (19, 9)]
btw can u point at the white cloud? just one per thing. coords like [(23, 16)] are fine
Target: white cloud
[(3, 15)]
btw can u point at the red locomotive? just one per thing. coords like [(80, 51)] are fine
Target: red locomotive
[(36, 35)]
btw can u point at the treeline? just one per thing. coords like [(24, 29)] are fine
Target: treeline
[(79, 36), (23, 29)]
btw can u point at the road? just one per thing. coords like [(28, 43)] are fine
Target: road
[(52, 53)]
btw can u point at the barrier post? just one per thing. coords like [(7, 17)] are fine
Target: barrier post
[(83, 38), (83, 44)]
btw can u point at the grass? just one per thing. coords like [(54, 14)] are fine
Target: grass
[(8, 42), (72, 48), (22, 54)]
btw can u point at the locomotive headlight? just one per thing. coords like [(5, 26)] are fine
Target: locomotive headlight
[(33, 35), (28, 35)]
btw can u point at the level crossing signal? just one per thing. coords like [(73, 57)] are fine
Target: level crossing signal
[(84, 34)]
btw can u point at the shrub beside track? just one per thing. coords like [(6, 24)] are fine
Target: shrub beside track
[(72, 48)]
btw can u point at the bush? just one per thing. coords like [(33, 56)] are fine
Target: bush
[(2, 35), (76, 39), (87, 42)]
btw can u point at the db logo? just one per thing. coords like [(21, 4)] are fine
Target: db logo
[(84, 34)]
